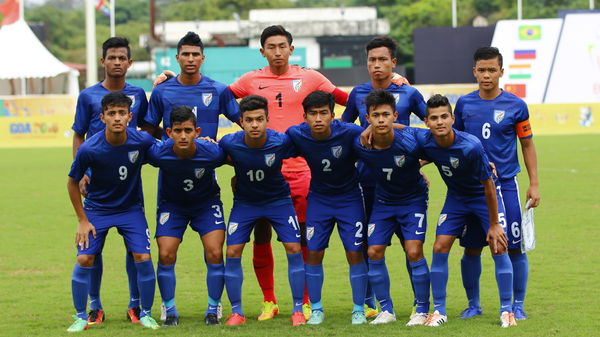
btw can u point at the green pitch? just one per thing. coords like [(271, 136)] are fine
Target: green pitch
[(37, 254)]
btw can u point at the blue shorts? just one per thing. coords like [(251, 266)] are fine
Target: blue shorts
[(468, 219), (324, 211), (131, 224), (512, 206), (281, 215), (172, 220), (410, 220)]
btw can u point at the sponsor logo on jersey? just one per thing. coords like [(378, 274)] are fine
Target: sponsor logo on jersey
[(207, 98), (199, 172), (442, 219), (296, 85), (336, 151), (163, 218), (270, 159), (499, 115), (132, 98), (310, 231), (397, 97), (133, 156), (454, 162), (370, 229), (399, 160), (233, 226)]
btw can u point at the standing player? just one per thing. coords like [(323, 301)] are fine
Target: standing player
[(188, 194), (334, 197), (400, 205), (115, 157), (472, 199), (381, 61), (260, 192), (116, 59), (498, 118)]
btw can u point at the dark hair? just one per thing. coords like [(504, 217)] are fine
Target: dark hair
[(437, 101), (380, 97), (254, 102), (274, 31), (115, 98), (182, 113), (383, 41), (116, 42), (190, 39), (318, 99), (487, 53)]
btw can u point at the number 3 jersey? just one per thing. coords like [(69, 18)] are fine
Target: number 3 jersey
[(116, 184), (186, 182), (496, 123), (258, 170)]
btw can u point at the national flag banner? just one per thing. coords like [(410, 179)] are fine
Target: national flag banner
[(104, 7), (524, 54), (530, 32), (519, 90), (519, 71), (10, 12)]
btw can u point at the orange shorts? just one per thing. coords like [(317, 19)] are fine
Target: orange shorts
[(299, 184)]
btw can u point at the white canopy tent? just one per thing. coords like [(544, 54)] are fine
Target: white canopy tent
[(27, 67)]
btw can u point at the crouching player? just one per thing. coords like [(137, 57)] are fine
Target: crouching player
[(472, 199), (188, 193), (260, 192), (334, 196), (114, 199), (400, 204)]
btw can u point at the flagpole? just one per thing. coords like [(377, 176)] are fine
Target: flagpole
[(22, 10), (90, 43), (112, 6)]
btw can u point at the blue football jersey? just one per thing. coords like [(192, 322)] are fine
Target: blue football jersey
[(207, 98), (89, 106), (494, 122), (116, 184), (186, 182), (396, 170), (331, 161), (258, 171), (408, 99), (463, 165)]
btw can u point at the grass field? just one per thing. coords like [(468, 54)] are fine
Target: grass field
[(37, 256)]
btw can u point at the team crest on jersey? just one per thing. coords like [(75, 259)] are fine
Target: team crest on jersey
[(336, 151), (499, 115), (163, 218), (133, 156), (397, 97), (370, 229), (207, 98), (233, 226), (199, 172), (296, 85), (270, 159), (310, 231), (399, 160), (454, 162), (442, 219), (132, 98)]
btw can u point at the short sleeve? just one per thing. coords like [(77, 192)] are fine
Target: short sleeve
[(323, 83), (459, 123), (81, 124), (153, 154), (481, 162), (351, 113), (143, 111), (155, 108), (229, 106), (288, 148), (417, 105), (354, 129), (240, 87), (80, 164), (522, 113)]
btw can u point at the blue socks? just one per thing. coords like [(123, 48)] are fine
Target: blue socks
[(369, 294), (410, 277), (234, 277), (215, 280), (380, 281), (420, 283), (134, 293), (146, 281), (439, 280), (470, 266), (314, 283), (504, 278), (80, 282), (520, 266), (165, 275), (358, 282), (296, 278), (95, 283)]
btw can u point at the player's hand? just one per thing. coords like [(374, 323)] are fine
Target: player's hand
[(83, 185), (425, 178), (493, 167), (496, 238), (533, 193), (398, 79), (82, 236), (366, 138), (165, 75), (209, 139)]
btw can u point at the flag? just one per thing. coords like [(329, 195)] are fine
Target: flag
[(519, 71), (519, 90), (10, 11), (104, 7), (530, 32), (524, 54)]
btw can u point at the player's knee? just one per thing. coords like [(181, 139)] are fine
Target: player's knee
[(141, 257), (234, 250), (441, 247), (376, 252), (354, 257), (414, 253), (167, 258), (85, 260), (473, 251), (214, 255)]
